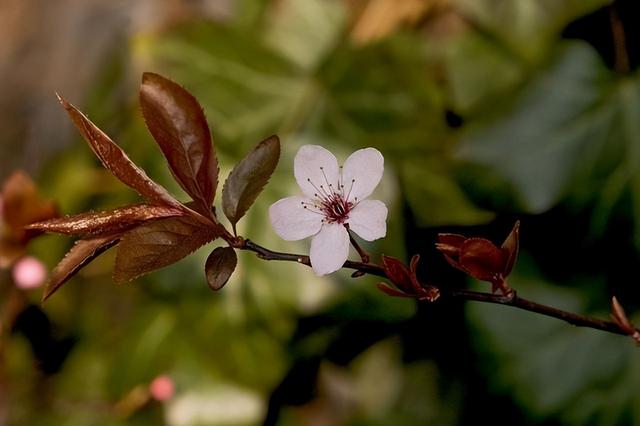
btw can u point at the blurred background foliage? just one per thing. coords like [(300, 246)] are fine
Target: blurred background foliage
[(486, 111)]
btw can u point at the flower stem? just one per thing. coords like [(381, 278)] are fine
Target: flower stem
[(361, 252)]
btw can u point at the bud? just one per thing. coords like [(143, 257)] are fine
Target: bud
[(480, 258), (405, 280), (620, 317)]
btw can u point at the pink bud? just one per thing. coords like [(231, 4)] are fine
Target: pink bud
[(162, 388), (29, 273)]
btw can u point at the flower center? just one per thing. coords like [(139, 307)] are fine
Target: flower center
[(330, 202)]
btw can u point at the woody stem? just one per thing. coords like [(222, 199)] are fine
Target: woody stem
[(512, 299)]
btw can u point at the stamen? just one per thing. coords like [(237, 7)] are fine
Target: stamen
[(314, 187), (326, 180), (310, 207), (353, 181), (324, 192)]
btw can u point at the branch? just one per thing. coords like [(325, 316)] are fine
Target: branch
[(266, 254), (513, 300), (549, 311)]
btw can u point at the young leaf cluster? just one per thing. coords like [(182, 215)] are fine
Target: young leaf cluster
[(162, 230)]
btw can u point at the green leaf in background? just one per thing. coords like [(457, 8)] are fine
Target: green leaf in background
[(554, 370), (554, 135), (526, 27), (480, 72), (298, 24), (435, 198), (572, 134), (246, 88)]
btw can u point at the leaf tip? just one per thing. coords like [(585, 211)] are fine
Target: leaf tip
[(65, 104)]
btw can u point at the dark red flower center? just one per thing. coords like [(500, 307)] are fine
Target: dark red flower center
[(330, 202)]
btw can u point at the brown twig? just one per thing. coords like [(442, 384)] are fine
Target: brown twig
[(531, 306), (266, 254), (512, 299)]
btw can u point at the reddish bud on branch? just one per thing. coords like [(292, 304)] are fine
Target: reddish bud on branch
[(405, 280), (619, 316), (480, 258)]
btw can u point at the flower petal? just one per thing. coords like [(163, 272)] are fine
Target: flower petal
[(292, 221), (329, 249), (369, 220), (315, 169), (362, 172)]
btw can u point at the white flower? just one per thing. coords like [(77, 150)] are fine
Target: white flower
[(334, 197)]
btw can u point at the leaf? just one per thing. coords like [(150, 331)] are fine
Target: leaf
[(385, 288), (481, 258), (116, 161), (297, 24), (434, 196), (572, 137), (220, 265), (526, 27), (82, 252), (511, 246), (248, 177), (480, 72), (398, 273), (21, 205), (105, 222), (550, 369), (157, 244), (178, 124), (552, 141)]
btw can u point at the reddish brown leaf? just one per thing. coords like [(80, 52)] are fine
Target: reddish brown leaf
[(105, 222), (449, 246), (392, 291), (83, 252), (21, 205), (398, 273), (451, 241), (178, 124), (159, 243), (413, 267), (511, 247), (116, 161), (481, 259), (220, 265), (248, 177)]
